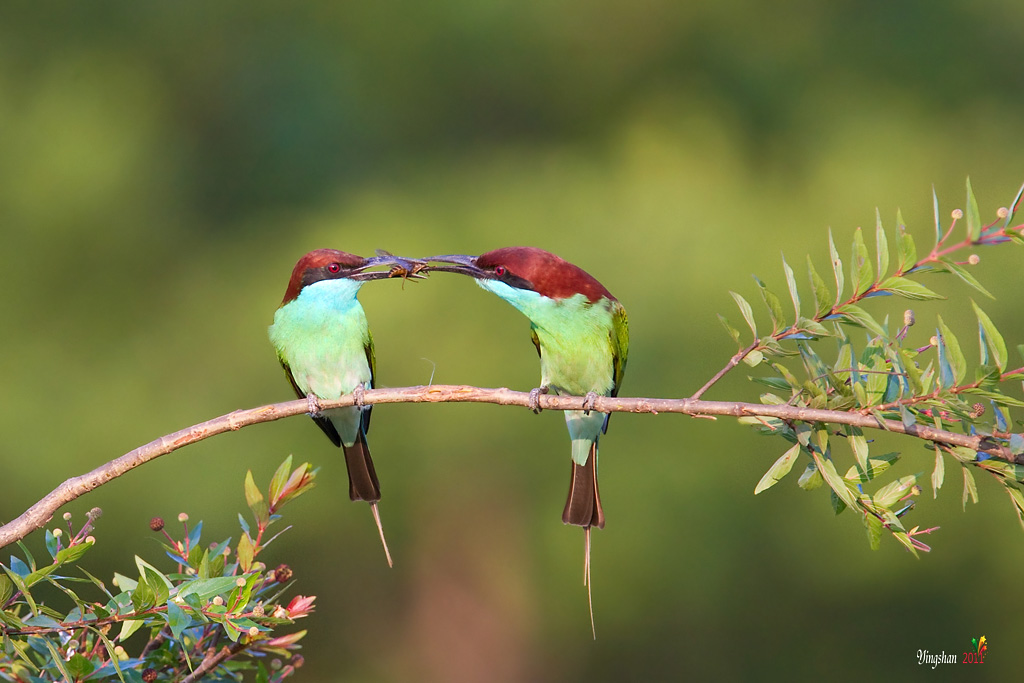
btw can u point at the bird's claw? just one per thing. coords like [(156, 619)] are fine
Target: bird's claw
[(589, 401), (357, 394), (314, 405), (534, 401)]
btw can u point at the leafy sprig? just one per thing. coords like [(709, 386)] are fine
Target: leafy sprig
[(928, 385), (218, 603)]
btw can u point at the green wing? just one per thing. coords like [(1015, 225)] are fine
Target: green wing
[(371, 359), (619, 337)]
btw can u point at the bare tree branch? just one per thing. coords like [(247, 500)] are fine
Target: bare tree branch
[(42, 512)]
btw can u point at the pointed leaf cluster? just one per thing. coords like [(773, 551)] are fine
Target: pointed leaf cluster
[(206, 601), (881, 374)]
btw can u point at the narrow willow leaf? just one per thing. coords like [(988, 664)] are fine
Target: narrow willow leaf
[(58, 660), (835, 482), (908, 289), (881, 246), (254, 499), (964, 275), (990, 339), (907, 418), (935, 210), (772, 303), (873, 525), (745, 309), (938, 474), (777, 471), (863, 276), (128, 627), (970, 487), (733, 332), (1017, 498), (954, 356), (906, 252), (837, 266), (793, 294), (893, 491), (280, 477), (973, 216), (1014, 205), (822, 296), (856, 315), (876, 465), (859, 445), (810, 479), (246, 551)]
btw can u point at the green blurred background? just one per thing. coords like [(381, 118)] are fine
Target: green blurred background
[(163, 165)]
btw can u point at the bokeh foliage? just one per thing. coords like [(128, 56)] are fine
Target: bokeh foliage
[(163, 166)]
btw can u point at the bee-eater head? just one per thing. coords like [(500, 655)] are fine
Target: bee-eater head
[(528, 268), (331, 264)]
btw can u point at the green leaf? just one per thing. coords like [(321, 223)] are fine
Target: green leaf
[(129, 627), (906, 252), (837, 266), (79, 667), (57, 659), (863, 277), (745, 309), (970, 487), (856, 315), (733, 332), (938, 222), (177, 619), (277, 482), (876, 465), (254, 499), (908, 289), (822, 296), (859, 446), (143, 597), (874, 528), (954, 356), (893, 491), (774, 306), (1017, 498), (835, 482), (6, 589), (973, 216), (990, 339), (810, 479), (205, 589), (881, 246), (777, 471), (246, 552), (791, 283), (938, 474), (964, 275)]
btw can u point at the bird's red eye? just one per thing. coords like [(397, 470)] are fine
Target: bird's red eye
[(500, 271), (333, 267)]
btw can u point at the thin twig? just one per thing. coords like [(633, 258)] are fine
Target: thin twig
[(37, 516), (213, 661)]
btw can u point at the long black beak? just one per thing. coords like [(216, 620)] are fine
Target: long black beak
[(459, 263), (396, 266)]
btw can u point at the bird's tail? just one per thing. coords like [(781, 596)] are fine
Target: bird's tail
[(583, 506), (362, 478), (362, 481)]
